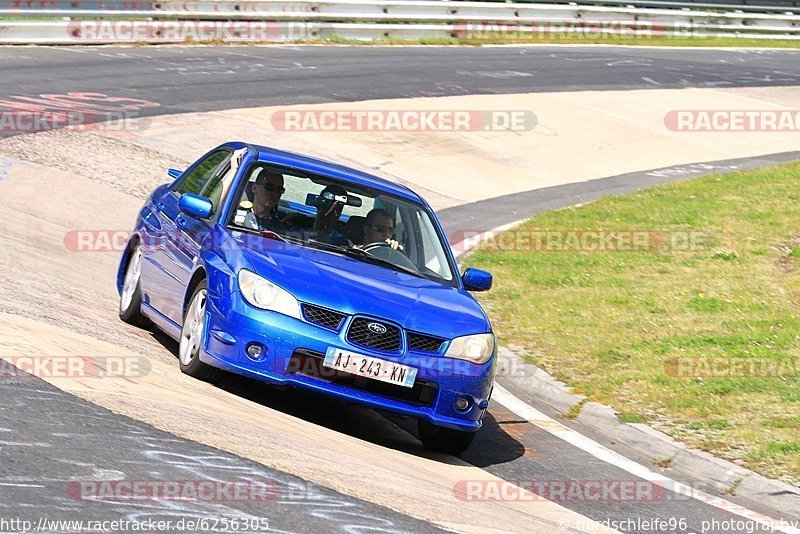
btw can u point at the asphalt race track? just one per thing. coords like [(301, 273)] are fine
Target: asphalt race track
[(200, 79), (189, 79), (100, 441)]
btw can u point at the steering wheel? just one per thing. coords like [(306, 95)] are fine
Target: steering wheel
[(376, 244), (384, 251)]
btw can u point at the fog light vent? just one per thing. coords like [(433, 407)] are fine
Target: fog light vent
[(463, 404), (256, 352)]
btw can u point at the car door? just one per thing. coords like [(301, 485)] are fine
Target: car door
[(182, 234)]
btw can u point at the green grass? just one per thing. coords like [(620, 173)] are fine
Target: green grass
[(731, 490), (609, 323), (629, 41), (725, 42), (631, 418)]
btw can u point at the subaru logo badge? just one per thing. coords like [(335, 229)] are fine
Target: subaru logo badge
[(377, 328)]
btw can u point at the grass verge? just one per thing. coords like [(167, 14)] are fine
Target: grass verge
[(722, 42), (632, 329)]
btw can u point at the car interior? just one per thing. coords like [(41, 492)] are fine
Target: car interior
[(298, 207), (301, 216)]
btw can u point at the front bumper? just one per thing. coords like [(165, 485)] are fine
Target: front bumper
[(232, 325)]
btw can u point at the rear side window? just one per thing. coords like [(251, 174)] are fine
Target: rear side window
[(196, 180)]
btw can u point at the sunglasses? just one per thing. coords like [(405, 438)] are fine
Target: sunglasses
[(272, 188), (383, 229)]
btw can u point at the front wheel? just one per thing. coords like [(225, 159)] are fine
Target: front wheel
[(191, 340), (440, 439), (130, 298)]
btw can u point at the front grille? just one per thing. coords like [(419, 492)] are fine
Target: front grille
[(424, 342), (361, 334), (309, 363), (323, 317)]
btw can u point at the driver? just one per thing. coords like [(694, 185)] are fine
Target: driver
[(267, 191), (379, 227)]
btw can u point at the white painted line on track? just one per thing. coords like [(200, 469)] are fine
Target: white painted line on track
[(468, 245), (576, 439)]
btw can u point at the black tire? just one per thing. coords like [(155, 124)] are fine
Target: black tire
[(130, 304), (189, 348), (440, 439)]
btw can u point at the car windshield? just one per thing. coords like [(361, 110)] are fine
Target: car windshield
[(319, 212)]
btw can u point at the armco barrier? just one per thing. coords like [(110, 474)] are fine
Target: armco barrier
[(282, 21), (764, 6)]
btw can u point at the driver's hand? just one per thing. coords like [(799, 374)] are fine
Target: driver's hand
[(333, 207), (394, 244)]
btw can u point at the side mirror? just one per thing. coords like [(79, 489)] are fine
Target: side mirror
[(477, 280), (174, 173), (195, 205)]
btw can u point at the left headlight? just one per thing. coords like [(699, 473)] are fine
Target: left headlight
[(477, 348), (262, 293)]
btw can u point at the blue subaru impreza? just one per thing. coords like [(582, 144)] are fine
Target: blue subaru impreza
[(300, 272)]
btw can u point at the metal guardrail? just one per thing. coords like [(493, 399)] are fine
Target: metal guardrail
[(764, 6), (163, 21)]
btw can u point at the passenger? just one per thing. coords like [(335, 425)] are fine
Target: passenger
[(328, 213), (267, 191), (380, 228)]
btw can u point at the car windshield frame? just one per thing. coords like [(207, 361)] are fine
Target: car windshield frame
[(234, 195)]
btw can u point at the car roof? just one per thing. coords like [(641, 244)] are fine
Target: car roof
[(334, 170)]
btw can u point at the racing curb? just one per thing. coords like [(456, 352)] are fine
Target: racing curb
[(725, 478)]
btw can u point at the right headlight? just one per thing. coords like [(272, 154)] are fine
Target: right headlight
[(477, 348), (261, 293)]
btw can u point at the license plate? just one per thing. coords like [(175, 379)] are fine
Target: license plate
[(375, 368)]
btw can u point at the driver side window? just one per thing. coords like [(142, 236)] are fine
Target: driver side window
[(196, 180)]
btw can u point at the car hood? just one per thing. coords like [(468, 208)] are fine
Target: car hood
[(356, 287)]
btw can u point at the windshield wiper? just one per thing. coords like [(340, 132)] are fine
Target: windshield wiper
[(272, 235), (361, 253), (354, 251), (269, 234), (323, 245)]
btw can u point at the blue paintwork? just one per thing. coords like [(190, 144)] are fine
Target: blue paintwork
[(195, 206), (180, 249), (477, 280)]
